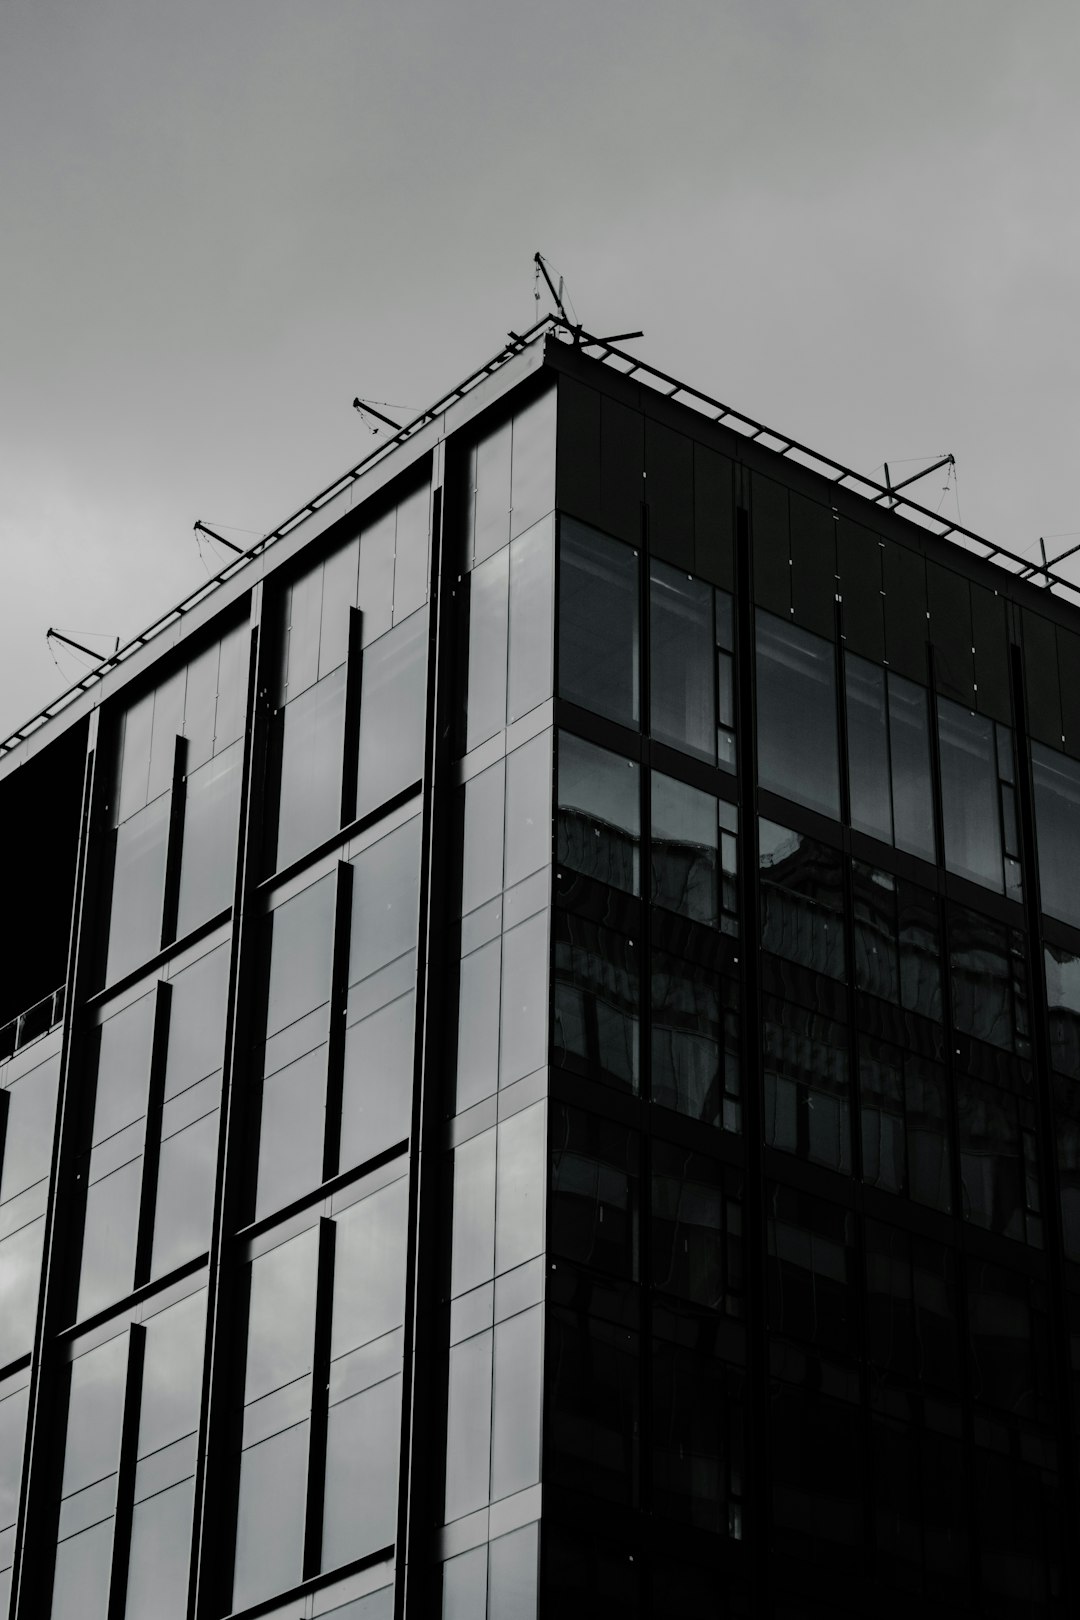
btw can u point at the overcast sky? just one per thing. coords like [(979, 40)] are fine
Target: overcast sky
[(220, 221)]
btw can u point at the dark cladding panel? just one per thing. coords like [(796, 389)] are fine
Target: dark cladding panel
[(991, 642), (1069, 666), (622, 467), (1041, 679), (769, 527), (577, 464), (813, 566), (714, 531), (669, 490), (859, 565), (905, 611), (950, 633)]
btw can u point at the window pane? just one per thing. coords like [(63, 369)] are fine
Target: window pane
[(598, 622), (385, 901), (806, 1085), (369, 1268), (12, 1434), (597, 1000), (1063, 999), (696, 1229), (599, 813), (512, 1574), (685, 850), (312, 737), (695, 1067), (532, 566), (138, 893), (157, 1583), (20, 1277), (489, 606), (796, 702), (594, 1191), (362, 1447), (519, 1207), (197, 1021), (109, 1232), (392, 709), (412, 553), (912, 791), (482, 843), (301, 937), (281, 1316), (523, 1032), (270, 1516), (532, 472), (683, 661), (468, 1427), (376, 1102), (28, 1128), (123, 1068), (969, 795), (292, 1122), (211, 832), (1057, 813), (95, 1406), (868, 748), (81, 1576), (802, 901), (185, 1189), (528, 817), (375, 581), (515, 1418)]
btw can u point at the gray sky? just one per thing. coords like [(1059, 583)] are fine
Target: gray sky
[(220, 221)]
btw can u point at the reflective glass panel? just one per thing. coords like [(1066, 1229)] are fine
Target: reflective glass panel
[(969, 795), (868, 748), (532, 568), (685, 850), (138, 892), (909, 748), (1057, 813), (796, 715), (802, 900), (599, 828), (682, 705), (211, 832), (312, 732), (598, 622), (392, 709)]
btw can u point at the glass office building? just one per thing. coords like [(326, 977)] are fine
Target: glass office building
[(540, 1067)]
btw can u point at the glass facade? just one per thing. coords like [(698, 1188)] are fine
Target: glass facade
[(568, 1091)]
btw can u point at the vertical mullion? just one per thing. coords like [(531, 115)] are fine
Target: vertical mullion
[(354, 675), (320, 1400), (32, 1549), (175, 850), (152, 1141), (339, 1000), (125, 1478), (210, 1543), (5, 1101)]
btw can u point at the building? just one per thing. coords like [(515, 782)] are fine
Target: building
[(544, 1061)]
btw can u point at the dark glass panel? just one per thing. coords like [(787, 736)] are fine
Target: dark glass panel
[(599, 828), (912, 784), (696, 1236), (1067, 1141), (1005, 1312), (1057, 813), (890, 1318), (802, 900), (988, 976), (593, 1381), (685, 850), (999, 1180), (597, 1000), (920, 950), (392, 710), (532, 584), (594, 1191), (694, 1039), (1063, 1001), (877, 952), (807, 1111), (598, 622), (211, 832), (811, 1270), (904, 1111), (697, 1451), (969, 795), (138, 892), (868, 748), (817, 1475), (682, 661), (312, 731), (796, 715)]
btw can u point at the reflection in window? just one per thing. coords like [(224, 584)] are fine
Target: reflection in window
[(905, 1135), (594, 1191), (802, 900), (889, 757), (138, 888), (599, 660), (597, 1000), (978, 799), (211, 832), (817, 1489), (392, 711), (310, 734), (14, 1393), (806, 1085), (1057, 816), (897, 945), (698, 1463), (988, 980), (696, 1229), (1008, 1362), (811, 1270), (691, 702), (510, 603), (999, 1171), (695, 1041), (796, 715), (694, 864), (510, 478), (912, 1326), (95, 1406), (593, 1387), (599, 827), (1063, 1002)]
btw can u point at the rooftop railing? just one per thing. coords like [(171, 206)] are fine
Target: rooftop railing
[(36, 1020)]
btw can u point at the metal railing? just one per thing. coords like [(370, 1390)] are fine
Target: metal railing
[(629, 366), (36, 1020)]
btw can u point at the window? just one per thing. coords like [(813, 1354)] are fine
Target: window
[(1057, 814), (796, 707), (595, 1195), (599, 655), (694, 865), (978, 799), (802, 900), (597, 1000), (807, 1110), (393, 705), (905, 1135), (897, 941), (692, 696), (599, 827), (889, 757), (695, 1041), (27, 1113)]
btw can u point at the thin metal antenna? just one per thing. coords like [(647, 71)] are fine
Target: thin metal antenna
[(365, 409), (891, 488), (201, 528), (91, 652), (538, 260)]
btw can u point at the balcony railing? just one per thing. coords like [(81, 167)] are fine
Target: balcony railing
[(36, 1020)]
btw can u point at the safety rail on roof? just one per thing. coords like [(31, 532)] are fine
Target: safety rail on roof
[(627, 365), (36, 1020)]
